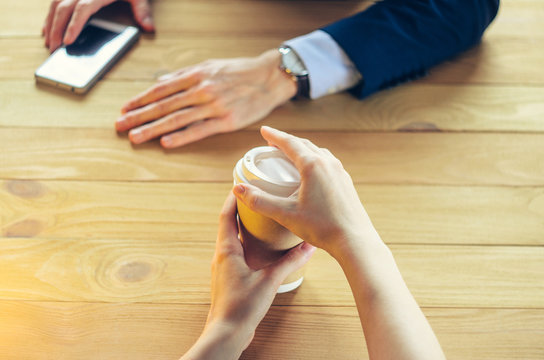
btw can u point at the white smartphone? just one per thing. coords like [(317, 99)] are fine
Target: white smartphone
[(77, 67)]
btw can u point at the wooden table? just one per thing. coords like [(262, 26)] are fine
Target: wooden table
[(105, 248)]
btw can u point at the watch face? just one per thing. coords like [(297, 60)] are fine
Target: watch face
[(292, 62)]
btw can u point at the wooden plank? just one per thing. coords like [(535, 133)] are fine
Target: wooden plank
[(207, 17), (170, 211), (35, 330), (519, 18), (516, 18), (177, 271), (382, 158), (410, 107), (495, 61), (150, 57)]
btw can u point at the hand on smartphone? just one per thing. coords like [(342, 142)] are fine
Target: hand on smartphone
[(66, 19)]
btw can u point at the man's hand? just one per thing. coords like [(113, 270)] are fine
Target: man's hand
[(212, 97), (66, 19)]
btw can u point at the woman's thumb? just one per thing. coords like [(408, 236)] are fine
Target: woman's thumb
[(292, 261), (261, 202)]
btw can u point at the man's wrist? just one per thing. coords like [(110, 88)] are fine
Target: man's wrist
[(280, 85)]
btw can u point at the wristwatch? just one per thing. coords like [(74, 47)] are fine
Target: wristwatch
[(293, 66)]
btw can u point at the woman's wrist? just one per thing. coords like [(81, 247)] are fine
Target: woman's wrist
[(220, 340), (350, 243)]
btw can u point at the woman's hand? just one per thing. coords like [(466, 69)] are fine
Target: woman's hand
[(212, 97), (325, 211), (241, 296), (66, 19)]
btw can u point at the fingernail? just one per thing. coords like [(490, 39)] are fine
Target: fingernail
[(147, 22), (165, 77), (66, 38), (166, 141), (120, 124), (273, 130), (308, 247), (239, 189), (136, 136)]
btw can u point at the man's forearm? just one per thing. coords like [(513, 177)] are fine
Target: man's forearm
[(396, 40)]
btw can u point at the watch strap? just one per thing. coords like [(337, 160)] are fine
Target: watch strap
[(302, 80), (303, 86)]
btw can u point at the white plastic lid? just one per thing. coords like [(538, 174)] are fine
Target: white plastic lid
[(269, 169)]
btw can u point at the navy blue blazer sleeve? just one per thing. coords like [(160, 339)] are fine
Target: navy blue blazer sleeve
[(397, 40)]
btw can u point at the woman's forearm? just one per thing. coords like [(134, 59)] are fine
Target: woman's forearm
[(218, 342), (394, 326)]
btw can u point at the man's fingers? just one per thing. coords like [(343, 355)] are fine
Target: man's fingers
[(63, 12), (157, 110), (174, 121), (142, 14), (82, 12), (192, 133), (161, 90), (49, 20), (171, 75)]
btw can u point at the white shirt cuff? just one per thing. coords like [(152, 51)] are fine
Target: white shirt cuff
[(329, 68)]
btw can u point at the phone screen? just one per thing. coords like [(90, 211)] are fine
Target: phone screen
[(90, 41), (78, 64)]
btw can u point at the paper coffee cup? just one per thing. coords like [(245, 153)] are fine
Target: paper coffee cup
[(264, 239)]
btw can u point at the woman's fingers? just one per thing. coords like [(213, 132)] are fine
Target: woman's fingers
[(227, 236), (298, 150), (275, 207), (291, 262)]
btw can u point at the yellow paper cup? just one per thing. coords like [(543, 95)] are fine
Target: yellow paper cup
[(264, 240)]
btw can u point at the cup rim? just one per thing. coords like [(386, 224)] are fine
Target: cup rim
[(254, 155)]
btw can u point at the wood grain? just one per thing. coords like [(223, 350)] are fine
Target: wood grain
[(36, 330), (520, 18), (177, 271), (208, 17), (105, 248), (382, 158), (189, 211), (498, 59), (411, 107), (495, 61)]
